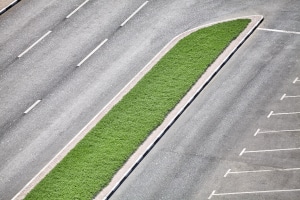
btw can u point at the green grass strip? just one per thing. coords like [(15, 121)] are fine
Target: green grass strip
[(89, 167)]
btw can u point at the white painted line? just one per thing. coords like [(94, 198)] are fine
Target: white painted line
[(213, 193), (270, 114), (282, 97), (256, 132), (137, 10), (297, 96), (228, 171), (269, 150), (45, 35), (74, 11), (290, 113), (279, 31), (260, 171), (244, 149), (100, 45), (253, 192), (31, 107), (280, 131), (297, 79)]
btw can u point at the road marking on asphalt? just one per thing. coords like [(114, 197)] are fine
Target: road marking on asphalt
[(260, 171), (290, 113), (285, 96), (100, 45), (228, 171), (135, 12), (32, 106), (213, 193), (279, 131), (267, 150), (74, 11), (270, 114), (24, 52), (250, 192), (244, 149), (279, 31), (257, 132), (297, 79)]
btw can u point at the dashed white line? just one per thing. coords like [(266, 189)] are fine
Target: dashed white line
[(74, 11), (100, 45), (32, 106), (279, 31), (260, 171), (45, 35), (267, 150), (251, 192), (137, 10), (297, 79)]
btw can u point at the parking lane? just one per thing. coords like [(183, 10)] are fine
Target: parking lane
[(276, 177)]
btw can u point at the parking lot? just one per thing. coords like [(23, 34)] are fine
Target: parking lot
[(265, 165)]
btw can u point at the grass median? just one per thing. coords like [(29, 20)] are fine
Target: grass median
[(89, 167)]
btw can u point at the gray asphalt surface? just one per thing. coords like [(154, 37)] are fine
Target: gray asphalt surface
[(207, 141), (189, 161)]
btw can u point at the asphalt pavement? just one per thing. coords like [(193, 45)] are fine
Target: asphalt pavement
[(46, 97), (239, 139)]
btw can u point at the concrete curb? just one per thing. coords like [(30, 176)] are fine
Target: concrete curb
[(8, 6), (154, 137)]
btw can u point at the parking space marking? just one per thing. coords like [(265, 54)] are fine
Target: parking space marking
[(290, 113), (285, 96), (260, 171), (279, 31), (267, 150), (228, 171), (251, 192), (279, 131), (244, 149), (270, 114), (297, 79), (257, 132)]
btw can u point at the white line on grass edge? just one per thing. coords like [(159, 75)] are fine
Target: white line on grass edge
[(127, 168)]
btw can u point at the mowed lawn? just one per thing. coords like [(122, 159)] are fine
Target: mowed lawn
[(89, 167)]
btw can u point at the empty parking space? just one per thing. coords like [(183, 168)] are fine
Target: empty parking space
[(267, 162)]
